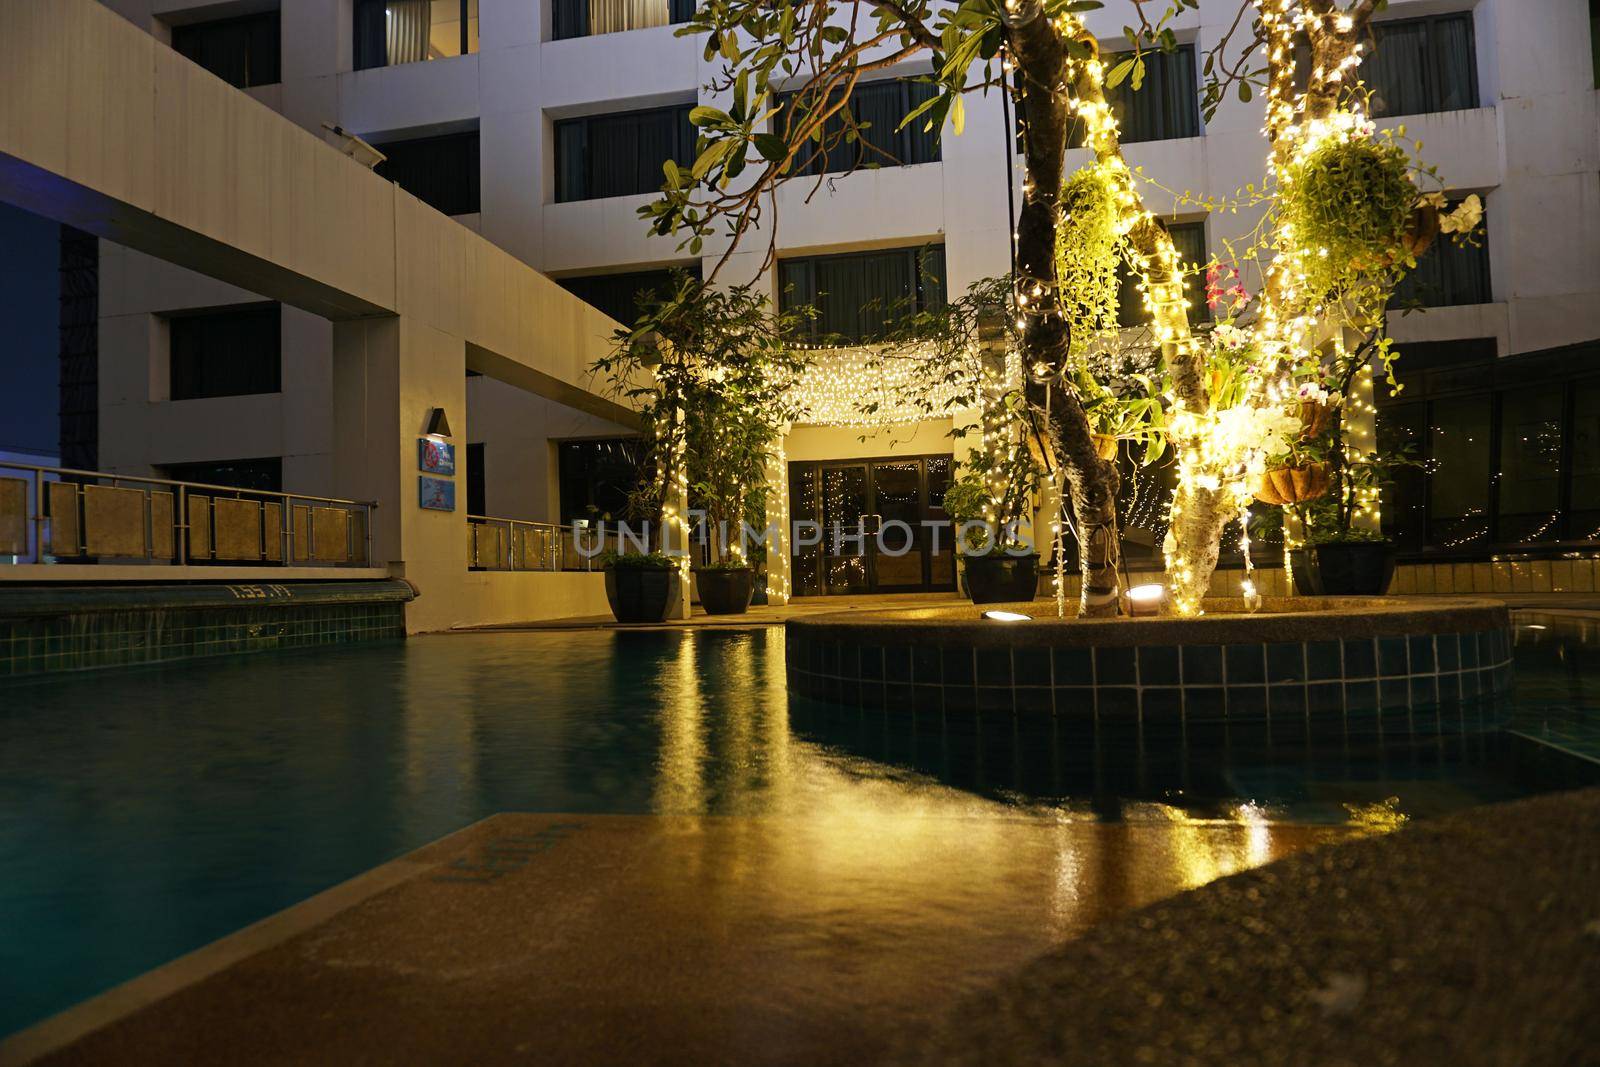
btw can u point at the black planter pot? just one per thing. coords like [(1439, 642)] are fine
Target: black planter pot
[(1359, 568), (641, 594), (1307, 576), (726, 592), (1002, 579)]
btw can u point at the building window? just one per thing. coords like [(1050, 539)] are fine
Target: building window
[(1448, 274), (1422, 65), (1165, 106), (619, 295), (597, 476), (477, 484), (391, 32), (1189, 238), (225, 353), (859, 295), (620, 154), (1511, 449), (263, 475), (242, 52), (440, 171), (1594, 38), (584, 18), (880, 107)]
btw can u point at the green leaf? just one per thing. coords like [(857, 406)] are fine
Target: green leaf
[(1118, 73), (707, 116), (674, 175), (919, 109), (1138, 73), (772, 147), (1245, 92), (958, 114)]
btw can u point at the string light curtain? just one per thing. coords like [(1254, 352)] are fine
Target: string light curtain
[(839, 383)]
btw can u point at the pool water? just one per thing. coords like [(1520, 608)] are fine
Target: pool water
[(144, 813)]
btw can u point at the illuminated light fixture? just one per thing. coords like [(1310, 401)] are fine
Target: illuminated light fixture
[(1007, 616), (1146, 599), (1535, 626), (438, 425)]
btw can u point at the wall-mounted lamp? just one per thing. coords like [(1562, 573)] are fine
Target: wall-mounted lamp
[(438, 425), (1146, 599), (1007, 616)]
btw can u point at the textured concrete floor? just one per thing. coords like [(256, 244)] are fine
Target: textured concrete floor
[(551, 940), (1471, 940)]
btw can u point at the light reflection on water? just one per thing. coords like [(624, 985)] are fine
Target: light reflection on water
[(144, 813)]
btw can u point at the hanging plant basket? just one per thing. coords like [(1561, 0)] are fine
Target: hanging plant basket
[(1314, 418), (1422, 228), (1105, 446), (1293, 485)]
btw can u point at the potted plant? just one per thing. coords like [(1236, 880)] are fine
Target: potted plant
[(641, 586), (709, 371), (995, 567)]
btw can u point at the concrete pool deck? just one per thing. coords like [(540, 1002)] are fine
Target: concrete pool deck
[(1584, 605), (622, 939), (1470, 939)]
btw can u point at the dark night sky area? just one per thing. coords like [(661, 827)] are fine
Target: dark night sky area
[(28, 344)]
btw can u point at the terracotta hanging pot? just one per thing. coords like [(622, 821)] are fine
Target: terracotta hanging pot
[(1293, 485), (1105, 446), (1421, 229)]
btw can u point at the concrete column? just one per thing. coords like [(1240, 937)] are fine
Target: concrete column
[(779, 577), (388, 376)]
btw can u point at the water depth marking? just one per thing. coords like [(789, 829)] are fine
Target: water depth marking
[(501, 856)]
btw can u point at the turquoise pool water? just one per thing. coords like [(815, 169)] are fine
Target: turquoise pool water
[(144, 813)]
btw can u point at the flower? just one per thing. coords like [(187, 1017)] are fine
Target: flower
[(1311, 393), (1467, 216), (1223, 289)]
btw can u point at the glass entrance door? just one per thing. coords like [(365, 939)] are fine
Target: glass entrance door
[(883, 526)]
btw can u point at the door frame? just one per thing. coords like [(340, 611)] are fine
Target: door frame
[(814, 468)]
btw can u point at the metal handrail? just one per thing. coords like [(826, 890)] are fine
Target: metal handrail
[(181, 492), (74, 472), (555, 553)]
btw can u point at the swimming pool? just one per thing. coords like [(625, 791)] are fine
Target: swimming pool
[(144, 813)]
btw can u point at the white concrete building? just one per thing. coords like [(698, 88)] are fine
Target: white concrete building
[(502, 113)]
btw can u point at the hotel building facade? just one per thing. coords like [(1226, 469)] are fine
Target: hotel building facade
[(542, 125)]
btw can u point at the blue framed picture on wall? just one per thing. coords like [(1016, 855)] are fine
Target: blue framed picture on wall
[(436, 457), (436, 494)]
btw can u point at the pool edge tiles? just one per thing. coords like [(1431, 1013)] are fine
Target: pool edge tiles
[(1369, 657), (55, 630)]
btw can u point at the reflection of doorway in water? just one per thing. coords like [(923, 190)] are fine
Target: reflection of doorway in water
[(861, 498)]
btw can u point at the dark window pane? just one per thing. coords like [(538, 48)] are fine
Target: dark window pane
[(879, 107), (1585, 460), (1404, 500), (859, 294), (477, 494), (265, 475), (371, 49), (1422, 65), (1167, 103), (620, 154), (1189, 238), (242, 52), (618, 295), (596, 477), (1530, 465), (227, 353), (441, 171), (1448, 274), (1458, 454)]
